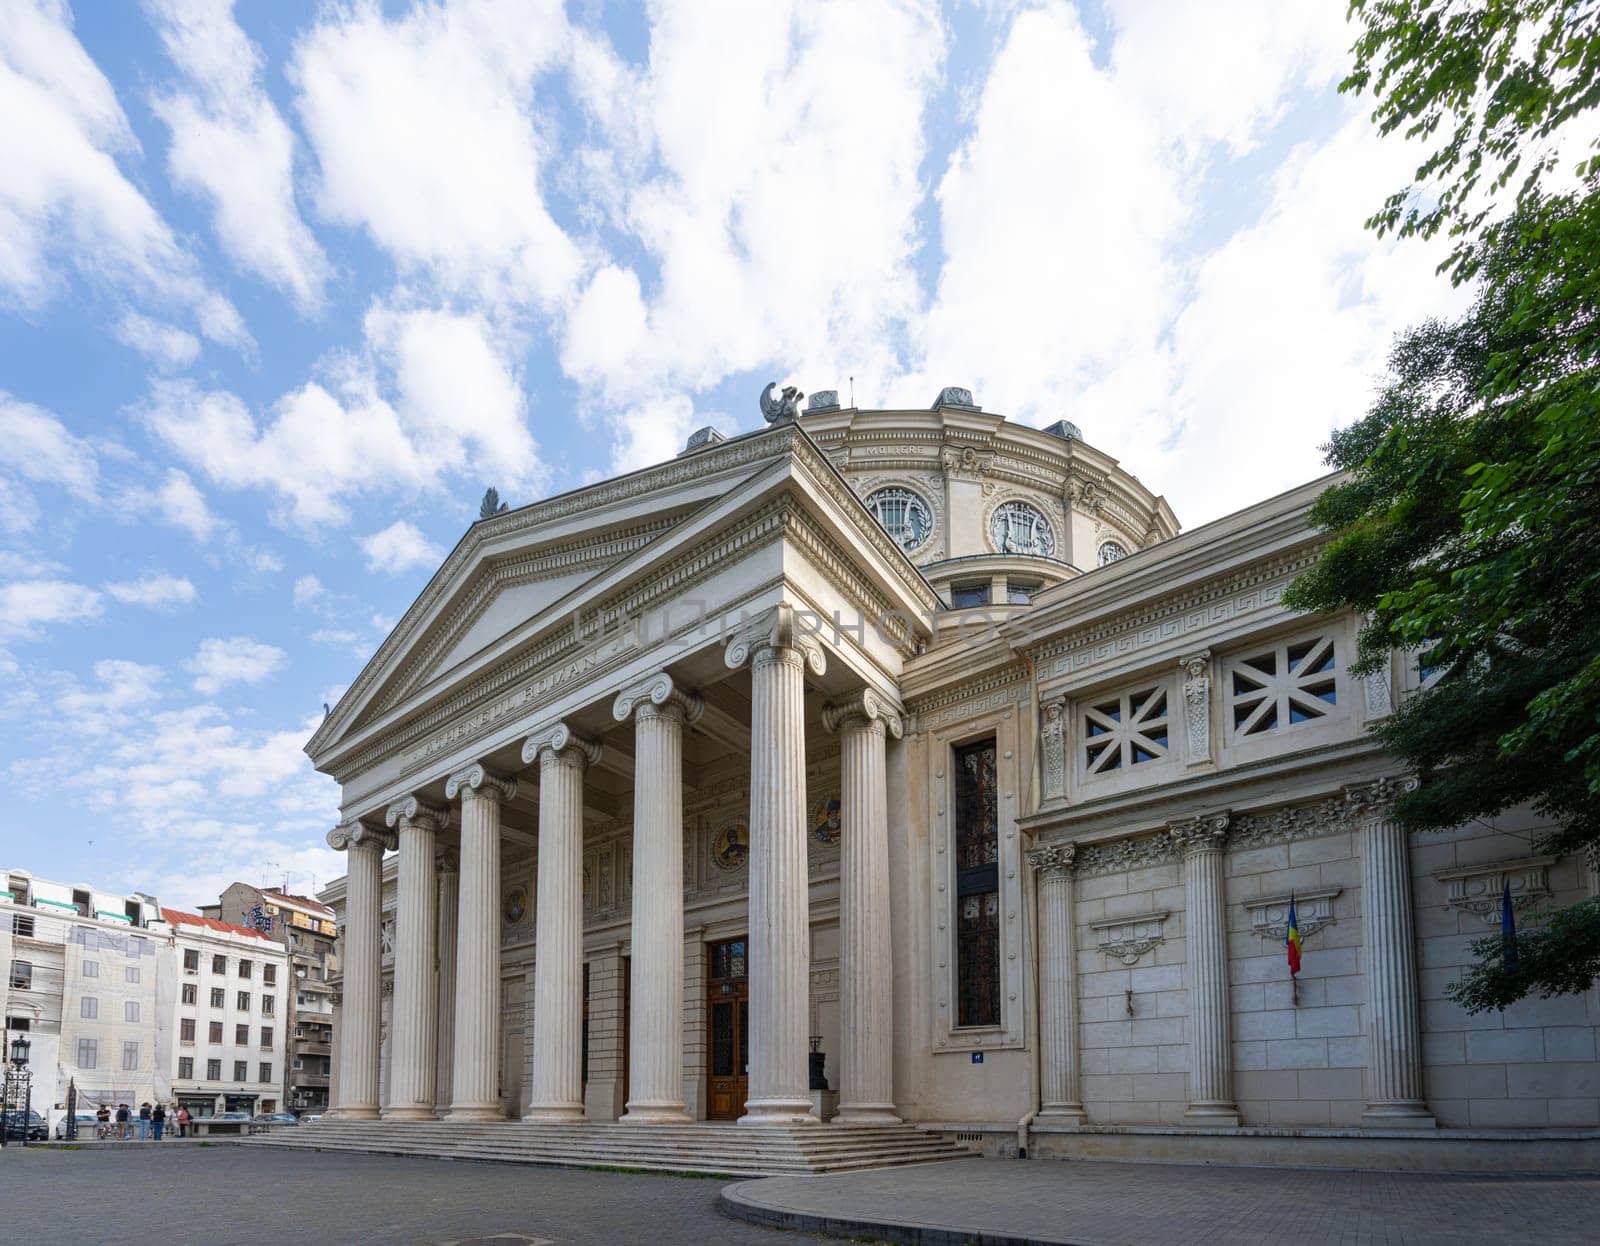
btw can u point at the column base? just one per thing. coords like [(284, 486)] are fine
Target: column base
[(778, 1112), (1212, 1115), (409, 1114), (1062, 1114), (1398, 1114), (556, 1114), (655, 1114), (353, 1114), (866, 1114), (475, 1112)]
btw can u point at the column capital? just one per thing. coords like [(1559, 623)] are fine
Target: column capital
[(1196, 665), (560, 739), (659, 694), (447, 861), (863, 708), (412, 811), (1053, 860), (480, 781), (1375, 800), (356, 834), (1192, 836), (774, 629)]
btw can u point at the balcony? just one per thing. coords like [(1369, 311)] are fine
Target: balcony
[(311, 1047), (301, 1080)]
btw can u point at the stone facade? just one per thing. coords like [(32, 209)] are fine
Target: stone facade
[(1003, 785)]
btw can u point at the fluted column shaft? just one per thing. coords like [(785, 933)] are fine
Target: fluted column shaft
[(448, 916), (1059, 1096), (655, 1042), (475, 1079), (1394, 1032), (412, 1051), (556, 1092), (361, 1018), (1210, 1046), (780, 937), (866, 994)]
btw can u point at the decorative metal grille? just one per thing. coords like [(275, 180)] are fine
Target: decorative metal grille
[(1128, 730), (1017, 528), (905, 516), (977, 836), (1110, 552)]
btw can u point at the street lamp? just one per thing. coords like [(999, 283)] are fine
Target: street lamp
[(18, 1077)]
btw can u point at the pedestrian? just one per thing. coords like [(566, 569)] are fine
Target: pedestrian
[(103, 1121), (183, 1121), (122, 1122), (158, 1119), (144, 1122)]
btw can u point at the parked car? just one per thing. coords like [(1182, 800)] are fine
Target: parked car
[(226, 1116), (311, 1118), (87, 1125), (276, 1118), (31, 1126)]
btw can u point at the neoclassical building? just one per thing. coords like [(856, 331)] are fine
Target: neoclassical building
[(922, 742)]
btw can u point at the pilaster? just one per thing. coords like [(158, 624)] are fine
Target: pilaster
[(1060, 1099), (1200, 841)]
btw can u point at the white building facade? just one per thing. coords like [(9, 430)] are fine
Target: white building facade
[(926, 740), (228, 1007)]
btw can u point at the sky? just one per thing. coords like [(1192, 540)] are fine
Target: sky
[(285, 286)]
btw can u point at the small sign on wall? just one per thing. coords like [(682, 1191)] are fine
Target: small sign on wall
[(977, 1057)]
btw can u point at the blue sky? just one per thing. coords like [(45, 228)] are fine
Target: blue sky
[(284, 286)]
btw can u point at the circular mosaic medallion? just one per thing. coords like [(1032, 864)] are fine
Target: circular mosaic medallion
[(730, 850), (825, 821)]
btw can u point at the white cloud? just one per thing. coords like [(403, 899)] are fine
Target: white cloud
[(399, 547), (429, 136), (36, 448), (167, 346), (184, 506), (236, 660), (307, 589), (158, 591), (231, 146), (26, 606), (63, 198)]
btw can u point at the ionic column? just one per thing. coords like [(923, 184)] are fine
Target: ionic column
[(1210, 1047), (660, 711), (475, 1080), (445, 957), (1060, 1100), (780, 935), (866, 1002), (556, 1092), (362, 1017), (416, 1000), (1394, 1030)]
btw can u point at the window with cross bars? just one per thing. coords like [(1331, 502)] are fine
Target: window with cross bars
[(1286, 685), (1125, 730)]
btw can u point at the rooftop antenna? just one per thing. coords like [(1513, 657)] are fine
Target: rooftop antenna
[(852, 392)]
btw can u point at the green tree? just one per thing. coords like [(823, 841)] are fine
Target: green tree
[(1467, 527)]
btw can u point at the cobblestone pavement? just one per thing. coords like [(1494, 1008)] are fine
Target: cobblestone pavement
[(1095, 1204), (220, 1195)]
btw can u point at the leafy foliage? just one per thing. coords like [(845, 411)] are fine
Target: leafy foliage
[(1468, 526)]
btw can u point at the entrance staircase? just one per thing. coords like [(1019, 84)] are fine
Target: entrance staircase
[(714, 1150)]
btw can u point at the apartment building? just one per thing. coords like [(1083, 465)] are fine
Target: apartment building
[(229, 1015), (306, 930)]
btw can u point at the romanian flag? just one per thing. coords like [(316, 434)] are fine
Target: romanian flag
[(1291, 940)]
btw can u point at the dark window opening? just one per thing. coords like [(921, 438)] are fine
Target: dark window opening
[(977, 834)]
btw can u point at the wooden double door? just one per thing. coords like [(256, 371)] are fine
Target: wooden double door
[(728, 1029)]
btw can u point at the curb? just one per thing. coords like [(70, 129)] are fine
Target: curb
[(735, 1203)]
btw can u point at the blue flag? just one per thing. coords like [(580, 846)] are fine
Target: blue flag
[(1508, 928)]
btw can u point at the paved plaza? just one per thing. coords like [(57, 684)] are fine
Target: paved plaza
[(225, 1194)]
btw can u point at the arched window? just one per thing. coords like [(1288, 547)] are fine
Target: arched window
[(1017, 528), (1110, 552), (904, 514)]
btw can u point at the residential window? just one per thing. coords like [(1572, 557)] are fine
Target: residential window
[(191, 993), (21, 975), (1289, 684), (191, 960), (241, 1035), (266, 1072), (299, 1063), (219, 964), (186, 1029), (214, 1070), (130, 973), (244, 1001), (89, 1008), (130, 1010), (269, 1005), (219, 997), (91, 969), (214, 1032), (266, 1037), (88, 1053), (241, 1070), (244, 969), (130, 1057), (967, 596), (269, 974), (186, 1068), (977, 833)]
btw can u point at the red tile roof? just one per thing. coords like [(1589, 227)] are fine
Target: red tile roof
[(316, 906), (176, 917)]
